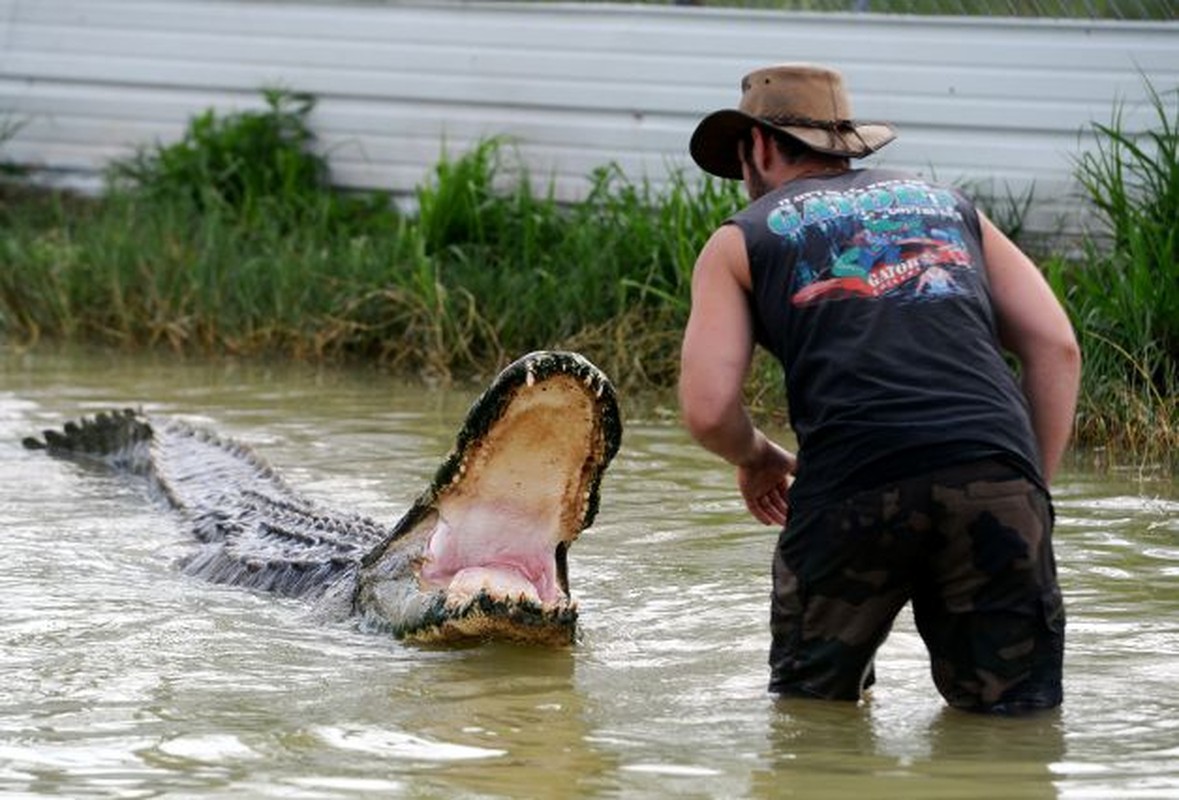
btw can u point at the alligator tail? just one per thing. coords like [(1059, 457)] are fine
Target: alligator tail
[(121, 439), (251, 528)]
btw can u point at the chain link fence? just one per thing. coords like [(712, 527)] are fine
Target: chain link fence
[(1049, 9), (1158, 10)]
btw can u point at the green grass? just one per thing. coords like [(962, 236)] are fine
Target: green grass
[(232, 240), (1123, 295)]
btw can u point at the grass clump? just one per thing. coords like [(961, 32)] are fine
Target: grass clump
[(258, 168), (578, 275), (238, 163), (1123, 294)]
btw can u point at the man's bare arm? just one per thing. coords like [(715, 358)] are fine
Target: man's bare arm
[(1034, 327), (714, 363), (716, 352)]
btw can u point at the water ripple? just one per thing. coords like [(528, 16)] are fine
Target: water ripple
[(124, 678)]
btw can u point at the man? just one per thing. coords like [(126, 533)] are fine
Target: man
[(923, 468)]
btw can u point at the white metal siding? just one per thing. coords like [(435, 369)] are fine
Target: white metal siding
[(1000, 103)]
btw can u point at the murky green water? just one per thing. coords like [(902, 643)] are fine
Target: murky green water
[(123, 679)]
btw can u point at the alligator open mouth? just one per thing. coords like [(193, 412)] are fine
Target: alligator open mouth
[(519, 487)]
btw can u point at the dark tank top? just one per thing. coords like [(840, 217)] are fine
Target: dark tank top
[(870, 288)]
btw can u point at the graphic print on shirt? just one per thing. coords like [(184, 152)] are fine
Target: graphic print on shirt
[(900, 239)]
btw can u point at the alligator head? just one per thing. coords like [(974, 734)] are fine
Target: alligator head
[(482, 552)]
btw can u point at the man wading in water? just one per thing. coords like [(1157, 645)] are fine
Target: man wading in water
[(923, 468)]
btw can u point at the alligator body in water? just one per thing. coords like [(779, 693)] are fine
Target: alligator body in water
[(482, 552)]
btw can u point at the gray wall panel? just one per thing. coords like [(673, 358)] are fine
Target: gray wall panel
[(992, 102)]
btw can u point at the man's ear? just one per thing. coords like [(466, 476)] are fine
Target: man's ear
[(761, 149)]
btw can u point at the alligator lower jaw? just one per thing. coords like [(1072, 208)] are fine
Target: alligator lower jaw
[(484, 617)]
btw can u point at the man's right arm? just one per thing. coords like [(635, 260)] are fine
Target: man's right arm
[(716, 351), (714, 362)]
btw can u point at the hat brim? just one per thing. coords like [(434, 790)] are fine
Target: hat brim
[(714, 142)]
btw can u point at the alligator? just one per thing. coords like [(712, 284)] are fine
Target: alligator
[(481, 554)]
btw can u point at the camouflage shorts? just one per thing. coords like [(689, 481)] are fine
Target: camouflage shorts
[(970, 546)]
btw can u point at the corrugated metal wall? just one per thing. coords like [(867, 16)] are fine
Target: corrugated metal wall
[(998, 103)]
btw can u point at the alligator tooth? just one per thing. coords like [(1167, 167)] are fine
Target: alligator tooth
[(458, 602)]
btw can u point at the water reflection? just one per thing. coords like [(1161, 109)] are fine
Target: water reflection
[(517, 705), (818, 749), (123, 678)]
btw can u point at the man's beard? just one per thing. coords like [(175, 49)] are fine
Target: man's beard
[(756, 185)]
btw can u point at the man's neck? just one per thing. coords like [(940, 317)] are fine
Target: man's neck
[(817, 167)]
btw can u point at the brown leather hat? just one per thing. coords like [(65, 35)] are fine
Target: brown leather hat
[(805, 101)]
